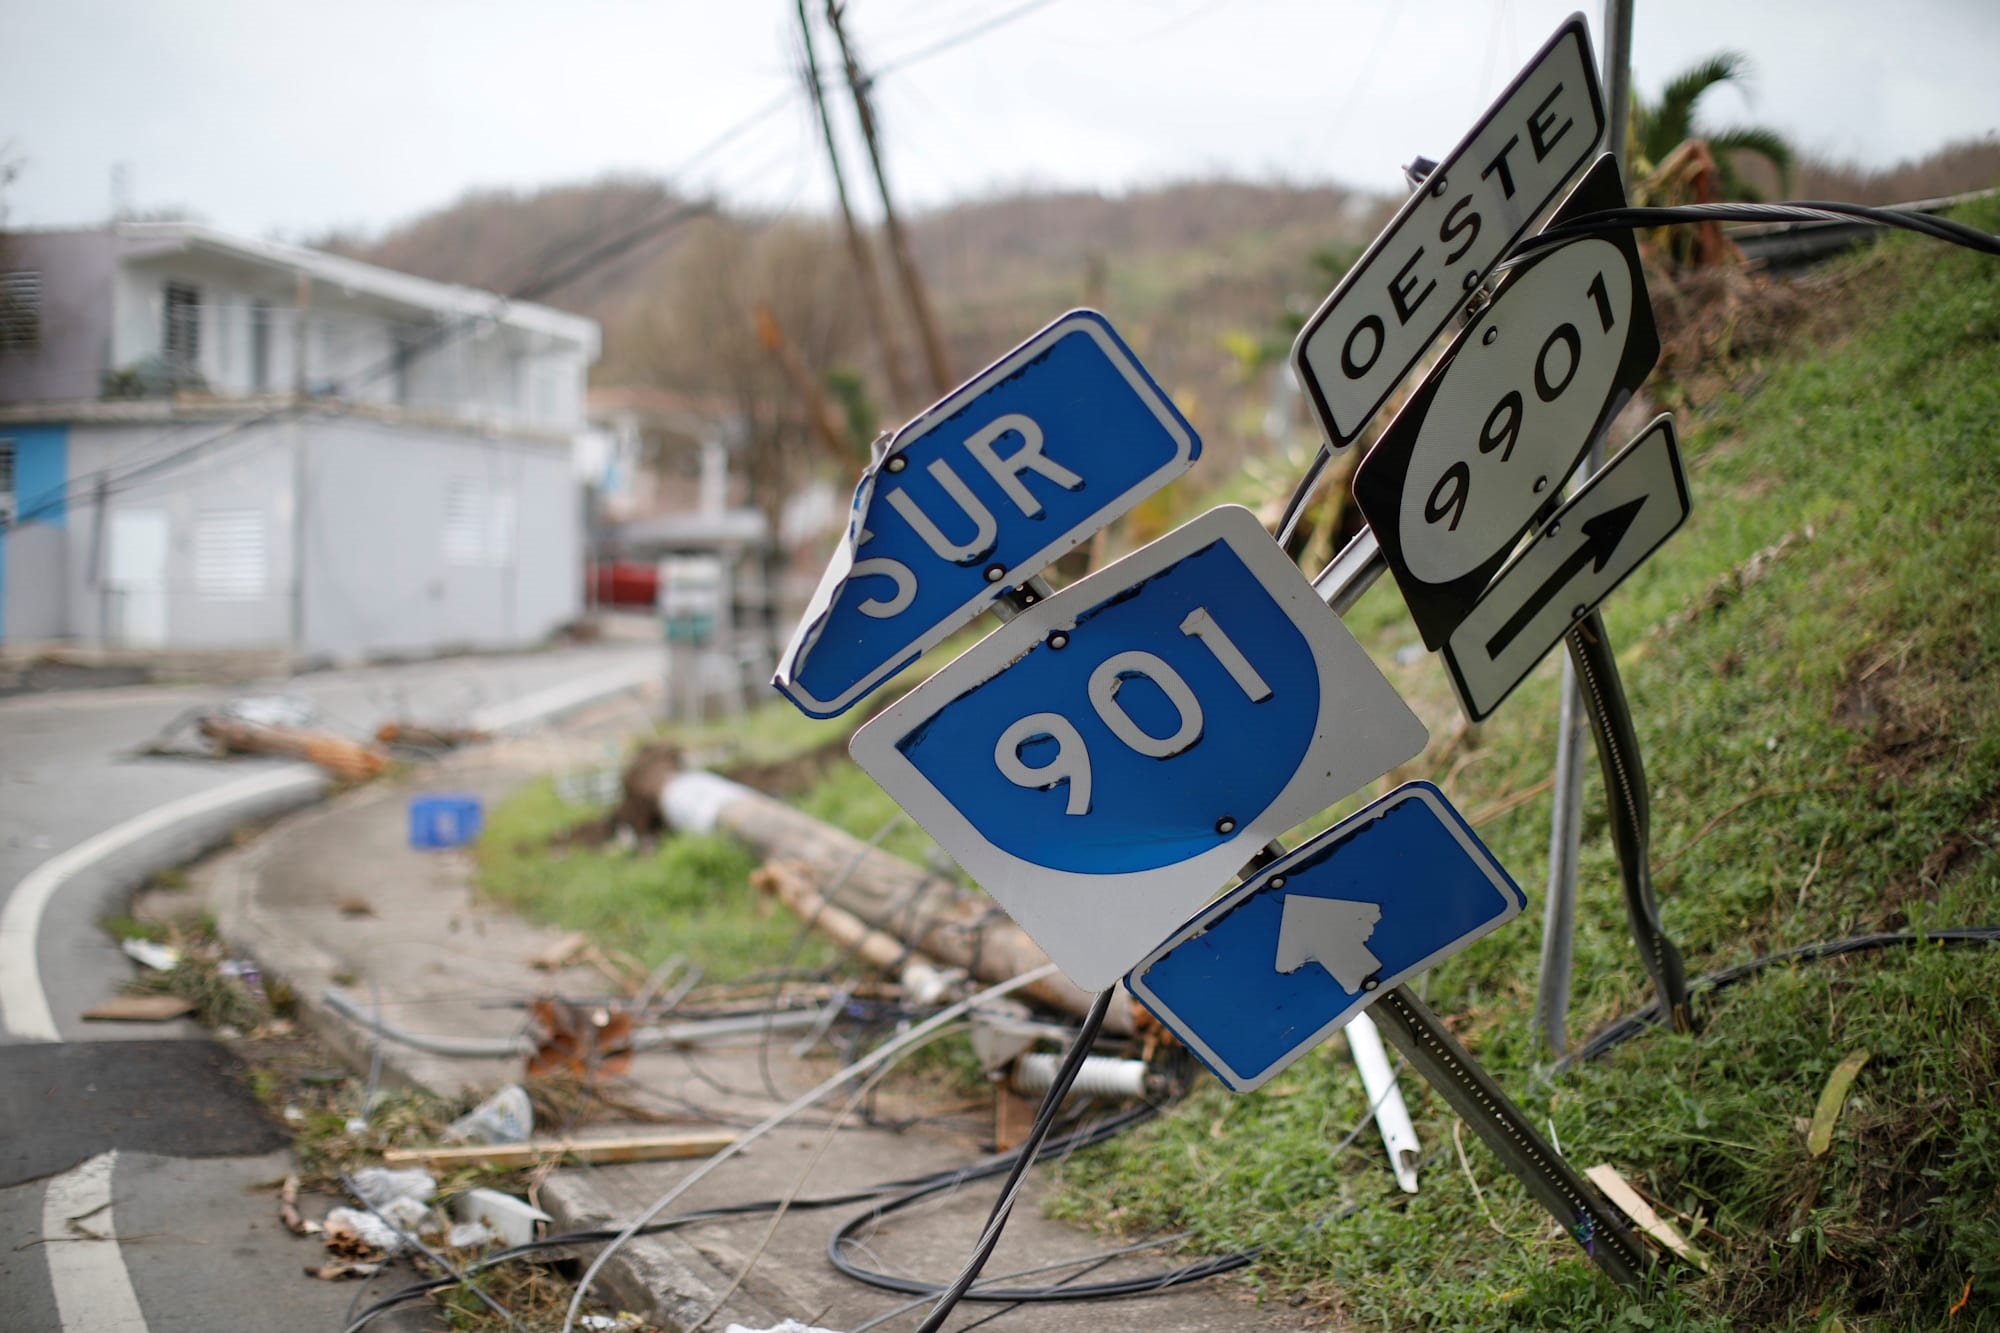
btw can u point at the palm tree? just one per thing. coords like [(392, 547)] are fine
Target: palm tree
[(1658, 130)]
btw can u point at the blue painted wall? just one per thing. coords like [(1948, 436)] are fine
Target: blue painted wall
[(41, 471)]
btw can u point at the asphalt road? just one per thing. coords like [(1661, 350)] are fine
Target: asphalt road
[(130, 1153)]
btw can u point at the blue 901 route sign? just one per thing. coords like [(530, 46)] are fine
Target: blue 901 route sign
[(977, 495), (1106, 761)]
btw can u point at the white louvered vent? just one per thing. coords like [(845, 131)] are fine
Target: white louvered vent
[(230, 555)]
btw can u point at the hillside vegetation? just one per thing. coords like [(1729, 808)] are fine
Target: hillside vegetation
[(1815, 667)]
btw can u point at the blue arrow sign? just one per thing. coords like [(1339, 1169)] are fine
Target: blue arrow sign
[(1273, 968), (1108, 759), (979, 494)]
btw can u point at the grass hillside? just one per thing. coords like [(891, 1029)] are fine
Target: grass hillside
[(1812, 662)]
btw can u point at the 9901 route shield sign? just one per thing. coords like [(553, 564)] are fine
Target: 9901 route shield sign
[(1105, 762), (1483, 448)]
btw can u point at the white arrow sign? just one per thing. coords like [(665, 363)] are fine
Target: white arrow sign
[(1600, 535), (1331, 932)]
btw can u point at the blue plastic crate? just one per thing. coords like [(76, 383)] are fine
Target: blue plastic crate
[(444, 819)]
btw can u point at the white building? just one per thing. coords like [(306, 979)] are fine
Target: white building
[(214, 443)]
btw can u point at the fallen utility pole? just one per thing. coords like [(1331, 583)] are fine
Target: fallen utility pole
[(858, 83), (866, 276)]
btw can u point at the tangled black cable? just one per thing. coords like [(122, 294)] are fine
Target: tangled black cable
[(1079, 1137), (908, 1192), (1639, 1020), (1803, 210)]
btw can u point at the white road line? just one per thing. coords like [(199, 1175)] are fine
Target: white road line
[(86, 1270), (23, 1003)]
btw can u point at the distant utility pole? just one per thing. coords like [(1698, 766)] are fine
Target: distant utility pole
[(857, 245), (942, 380)]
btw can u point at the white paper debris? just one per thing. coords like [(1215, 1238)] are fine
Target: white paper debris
[(156, 956), (381, 1186)]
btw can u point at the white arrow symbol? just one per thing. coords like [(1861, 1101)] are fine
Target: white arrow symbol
[(1331, 932)]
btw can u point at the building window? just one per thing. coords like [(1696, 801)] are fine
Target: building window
[(8, 507), (465, 522), (478, 524), (230, 555), (20, 310), (180, 335)]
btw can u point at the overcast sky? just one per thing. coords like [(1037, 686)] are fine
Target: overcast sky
[(278, 117)]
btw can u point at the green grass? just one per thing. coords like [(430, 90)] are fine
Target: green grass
[(691, 895), (1825, 760)]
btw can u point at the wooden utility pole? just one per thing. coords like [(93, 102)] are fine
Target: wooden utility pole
[(772, 336), (942, 380), (865, 272)]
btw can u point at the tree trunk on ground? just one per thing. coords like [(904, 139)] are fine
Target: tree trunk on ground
[(876, 891)]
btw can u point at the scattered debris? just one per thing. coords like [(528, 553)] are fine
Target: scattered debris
[(244, 972), (379, 1186), (273, 710), (638, 814), (512, 1220), (632, 1148), (140, 1009), (561, 953), (505, 1117), (1630, 1202), (1819, 1138), (349, 904), (346, 760), (288, 1210), (468, 1235), (586, 1040), (343, 1272), (786, 1326), (354, 1234), (418, 736), (159, 957)]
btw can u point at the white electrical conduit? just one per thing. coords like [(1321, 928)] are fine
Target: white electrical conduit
[(786, 1112)]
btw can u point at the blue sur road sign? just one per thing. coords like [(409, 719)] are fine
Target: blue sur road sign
[(980, 493), (1107, 760), (1274, 967)]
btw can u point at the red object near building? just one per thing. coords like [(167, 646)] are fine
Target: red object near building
[(625, 583)]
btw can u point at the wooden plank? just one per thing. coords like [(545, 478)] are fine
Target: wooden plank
[(1631, 1203), (635, 1148), (140, 1009)]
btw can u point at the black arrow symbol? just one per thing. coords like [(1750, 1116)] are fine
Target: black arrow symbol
[(1601, 536)]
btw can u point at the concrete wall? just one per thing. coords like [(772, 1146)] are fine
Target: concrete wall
[(76, 271), (421, 541), (411, 541), (233, 499)]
